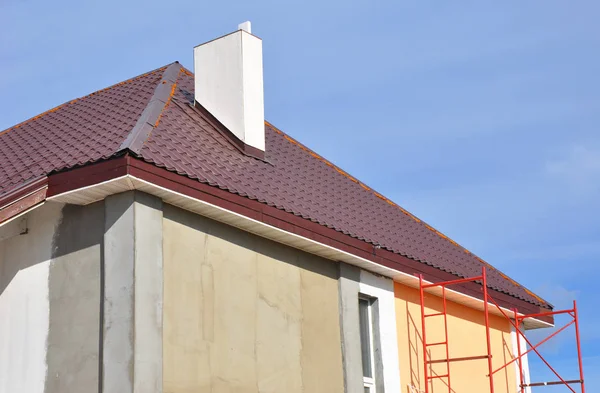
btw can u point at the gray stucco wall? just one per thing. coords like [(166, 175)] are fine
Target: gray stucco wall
[(118, 294), (50, 300), (24, 306), (74, 295), (132, 298)]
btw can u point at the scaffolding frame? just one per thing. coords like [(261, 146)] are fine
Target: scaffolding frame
[(428, 362), (517, 321)]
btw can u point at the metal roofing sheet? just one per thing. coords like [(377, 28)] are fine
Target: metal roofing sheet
[(181, 139)]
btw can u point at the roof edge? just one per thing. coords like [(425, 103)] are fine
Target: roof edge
[(137, 178), (87, 176), (22, 199), (405, 212), (22, 191)]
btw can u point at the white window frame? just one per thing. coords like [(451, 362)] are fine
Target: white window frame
[(369, 382), (382, 289)]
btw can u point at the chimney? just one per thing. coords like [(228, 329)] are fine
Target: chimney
[(228, 80)]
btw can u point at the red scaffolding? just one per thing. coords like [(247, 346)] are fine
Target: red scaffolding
[(517, 321), (428, 362)]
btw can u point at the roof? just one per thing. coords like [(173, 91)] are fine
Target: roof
[(153, 117)]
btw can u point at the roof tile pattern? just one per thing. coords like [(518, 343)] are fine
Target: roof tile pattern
[(293, 178), (77, 132), (299, 181)]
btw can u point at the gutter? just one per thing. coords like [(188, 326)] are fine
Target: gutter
[(23, 199), (95, 182)]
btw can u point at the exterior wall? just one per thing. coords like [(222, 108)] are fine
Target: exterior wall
[(132, 298), (24, 304), (466, 330), (74, 295), (244, 314), (131, 295), (50, 300)]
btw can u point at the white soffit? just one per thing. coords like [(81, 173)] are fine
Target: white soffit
[(97, 192)]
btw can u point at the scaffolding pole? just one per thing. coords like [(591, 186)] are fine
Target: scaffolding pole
[(517, 321), (444, 313)]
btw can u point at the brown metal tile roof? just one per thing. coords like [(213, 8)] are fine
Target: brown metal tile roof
[(80, 131), (153, 117)]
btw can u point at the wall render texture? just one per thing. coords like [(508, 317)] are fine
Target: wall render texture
[(244, 314)]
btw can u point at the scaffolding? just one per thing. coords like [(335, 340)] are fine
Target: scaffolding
[(428, 362), (517, 321)]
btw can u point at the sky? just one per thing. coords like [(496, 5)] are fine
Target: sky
[(481, 118)]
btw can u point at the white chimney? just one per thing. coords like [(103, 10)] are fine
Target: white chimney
[(228, 80)]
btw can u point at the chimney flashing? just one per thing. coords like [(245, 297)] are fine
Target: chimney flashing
[(234, 140)]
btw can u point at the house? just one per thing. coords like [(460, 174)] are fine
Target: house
[(160, 236)]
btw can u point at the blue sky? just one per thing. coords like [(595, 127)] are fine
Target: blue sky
[(480, 118)]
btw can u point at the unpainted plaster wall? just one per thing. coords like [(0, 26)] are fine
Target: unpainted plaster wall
[(132, 298), (244, 314), (50, 300), (74, 295), (24, 306)]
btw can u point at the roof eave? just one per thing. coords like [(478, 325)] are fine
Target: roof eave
[(23, 198), (115, 175)]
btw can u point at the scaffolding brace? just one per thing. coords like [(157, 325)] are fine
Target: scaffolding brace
[(517, 321)]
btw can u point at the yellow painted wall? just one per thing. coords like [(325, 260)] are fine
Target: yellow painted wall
[(244, 314), (466, 331)]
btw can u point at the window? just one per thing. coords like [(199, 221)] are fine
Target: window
[(365, 314)]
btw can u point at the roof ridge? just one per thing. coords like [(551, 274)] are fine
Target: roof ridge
[(153, 111), (404, 211), (80, 98)]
